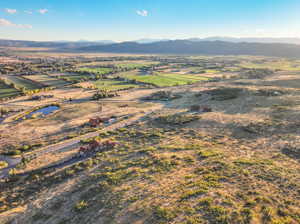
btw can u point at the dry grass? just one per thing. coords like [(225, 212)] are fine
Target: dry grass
[(228, 166)]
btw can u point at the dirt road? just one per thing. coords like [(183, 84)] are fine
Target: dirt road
[(66, 145)]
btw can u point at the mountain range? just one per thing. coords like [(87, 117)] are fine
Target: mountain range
[(52, 44), (279, 47), (199, 47), (284, 40)]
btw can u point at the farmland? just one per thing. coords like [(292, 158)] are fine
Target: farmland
[(162, 79), (192, 139), (7, 91), (99, 71), (71, 76), (132, 65), (21, 82), (121, 63), (46, 80), (113, 85)]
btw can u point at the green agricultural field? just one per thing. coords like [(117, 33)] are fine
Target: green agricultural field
[(122, 63), (62, 74), (47, 80), (132, 65), (99, 71), (75, 77), (113, 85), (7, 91), (70, 76), (166, 79), (21, 82)]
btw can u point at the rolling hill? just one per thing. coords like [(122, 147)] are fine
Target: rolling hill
[(51, 44), (199, 47)]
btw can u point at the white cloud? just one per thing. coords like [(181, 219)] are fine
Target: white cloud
[(43, 11), (7, 23), (142, 12), (11, 11), (28, 12), (4, 22)]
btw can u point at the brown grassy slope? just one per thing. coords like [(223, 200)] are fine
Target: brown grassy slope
[(237, 164)]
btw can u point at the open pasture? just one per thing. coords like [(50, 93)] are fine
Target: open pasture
[(113, 85), (75, 77), (62, 74), (132, 65), (23, 83), (7, 91), (165, 79), (99, 71), (71, 76), (123, 63), (47, 80)]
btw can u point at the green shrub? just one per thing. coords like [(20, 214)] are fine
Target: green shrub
[(101, 94), (192, 193), (177, 119), (81, 205), (3, 164), (15, 152), (247, 215), (222, 94), (164, 213), (204, 154)]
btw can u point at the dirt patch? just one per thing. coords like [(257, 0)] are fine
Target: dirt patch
[(49, 159), (162, 95)]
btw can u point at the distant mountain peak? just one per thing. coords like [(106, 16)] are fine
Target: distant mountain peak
[(209, 47)]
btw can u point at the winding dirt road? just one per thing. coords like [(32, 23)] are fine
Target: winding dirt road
[(67, 145)]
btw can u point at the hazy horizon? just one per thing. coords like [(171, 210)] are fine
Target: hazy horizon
[(131, 20), (153, 39)]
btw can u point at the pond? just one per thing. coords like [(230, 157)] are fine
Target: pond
[(42, 112)]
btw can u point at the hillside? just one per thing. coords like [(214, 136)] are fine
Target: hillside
[(251, 39), (200, 47), (50, 44), (220, 151), (149, 139)]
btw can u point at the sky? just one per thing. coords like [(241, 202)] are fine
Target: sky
[(124, 20)]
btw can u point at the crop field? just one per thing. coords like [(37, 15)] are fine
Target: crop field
[(21, 82), (99, 71), (70, 76), (62, 74), (47, 80), (75, 77), (166, 79), (7, 91), (113, 85), (132, 65)]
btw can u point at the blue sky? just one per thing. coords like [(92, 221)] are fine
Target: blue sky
[(122, 20)]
